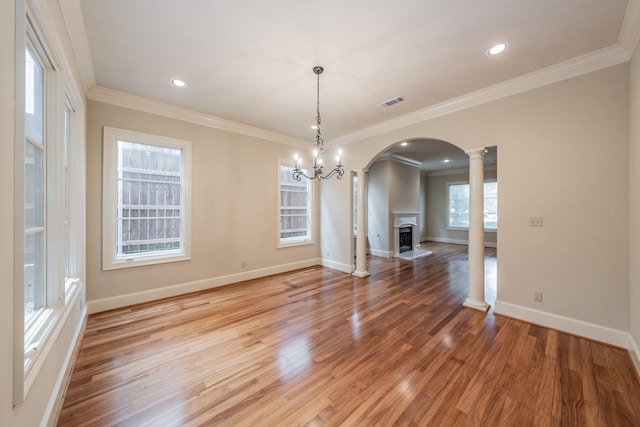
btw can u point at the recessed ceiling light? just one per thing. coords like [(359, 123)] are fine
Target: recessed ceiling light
[(446, 160), (404, 144), (497, 49), (178, 83)]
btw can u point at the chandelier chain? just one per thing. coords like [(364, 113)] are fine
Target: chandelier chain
[(318, 146)]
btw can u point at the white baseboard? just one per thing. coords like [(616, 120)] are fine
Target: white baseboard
[(345, 268), (104, 304), (634, 351), (592, 331), (457, 241), (378, 252)]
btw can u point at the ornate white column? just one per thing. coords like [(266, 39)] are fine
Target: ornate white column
[(476, 231), (361, 237)]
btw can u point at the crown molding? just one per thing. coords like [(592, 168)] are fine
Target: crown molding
[(146, 105), (444, 172), (588, 63), (630, 29), (74, 22), (399, 159)]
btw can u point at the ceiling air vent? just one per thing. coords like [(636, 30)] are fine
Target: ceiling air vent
[(391, 102)]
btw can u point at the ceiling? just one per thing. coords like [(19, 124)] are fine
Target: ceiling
[(251, 61), (436, 155)]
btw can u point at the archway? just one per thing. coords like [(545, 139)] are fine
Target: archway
[(395, 185)]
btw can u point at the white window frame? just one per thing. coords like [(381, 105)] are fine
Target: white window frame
[(448, 227), (34, 340), (110, 258), (73, 187), (301, 240)]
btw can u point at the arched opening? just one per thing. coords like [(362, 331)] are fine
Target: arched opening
[(422, 185)]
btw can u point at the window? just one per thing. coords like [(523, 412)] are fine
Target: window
[(50, 250), (458, 202), (146, 199), (294, 207), (35, 188)]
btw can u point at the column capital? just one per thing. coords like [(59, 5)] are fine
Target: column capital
[(361, 171), (476, 152)]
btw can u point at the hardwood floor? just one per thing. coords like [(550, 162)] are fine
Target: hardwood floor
[(320, 347)]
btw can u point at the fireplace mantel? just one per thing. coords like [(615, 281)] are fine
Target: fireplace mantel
[(405, 219)]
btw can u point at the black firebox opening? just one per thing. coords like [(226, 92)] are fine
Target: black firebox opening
[(406, 239)]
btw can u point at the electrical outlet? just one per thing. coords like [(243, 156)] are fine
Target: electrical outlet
[(537, 296), (535, 221)]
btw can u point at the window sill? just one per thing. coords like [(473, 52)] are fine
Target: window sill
[(43, 335), (141, 261), (288, 244)]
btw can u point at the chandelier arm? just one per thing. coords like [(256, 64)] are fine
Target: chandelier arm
[(336, 171), (297, 173)]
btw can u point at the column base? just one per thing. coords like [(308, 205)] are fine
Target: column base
[(361, 273), (476, 305)]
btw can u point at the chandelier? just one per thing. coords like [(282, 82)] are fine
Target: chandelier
[(318, 145)]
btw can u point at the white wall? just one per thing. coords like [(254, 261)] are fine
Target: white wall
[(378, 187), (393, 186), (553, 141), (634, 204), (234, 212), (7, 96), (39, 404), (404, 187), (436, 208)]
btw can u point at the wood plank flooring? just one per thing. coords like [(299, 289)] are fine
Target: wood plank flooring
[(320, 347)]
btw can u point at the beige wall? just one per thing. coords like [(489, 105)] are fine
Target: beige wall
[(436, 218), (634, 201), (234, 213), (554, 143)]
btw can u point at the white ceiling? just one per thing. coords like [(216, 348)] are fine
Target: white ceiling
[(251, 61)]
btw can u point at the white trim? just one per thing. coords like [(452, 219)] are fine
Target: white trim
[(630, 30), (458, 241), (64, 373), (74, 23), (110, 258), (309, 239), (584, 64), (476, 305), (634, 352), (459, 171), (399, 159), (345, 268), (581, 328), (118, 301), (378, 252), (133, 102)]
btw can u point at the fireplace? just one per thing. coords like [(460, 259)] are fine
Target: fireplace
[(406, 236), (405, 232), (405, 239)]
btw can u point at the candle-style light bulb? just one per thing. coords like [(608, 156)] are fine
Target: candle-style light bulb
[(315, 153)]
